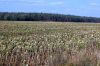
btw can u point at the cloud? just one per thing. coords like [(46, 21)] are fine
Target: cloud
[(46, 3), (94, 4), (57, 3), (23, 1), (36, 2)]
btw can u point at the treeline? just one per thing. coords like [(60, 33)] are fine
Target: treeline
[(45, 17)]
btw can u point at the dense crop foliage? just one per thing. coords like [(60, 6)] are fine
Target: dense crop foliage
[(45, 17), (49, 44)]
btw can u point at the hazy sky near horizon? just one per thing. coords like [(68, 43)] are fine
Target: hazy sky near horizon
[(74, 7)]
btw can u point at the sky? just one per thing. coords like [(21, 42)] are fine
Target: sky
[(72, 7)]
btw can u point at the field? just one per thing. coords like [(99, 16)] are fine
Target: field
[(49, 44)]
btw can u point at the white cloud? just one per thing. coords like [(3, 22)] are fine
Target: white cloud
[(34, 2), (37, 1), (94, 4), (57, 3), (46, 3)]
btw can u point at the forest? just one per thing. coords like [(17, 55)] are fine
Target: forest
[(20, 16)]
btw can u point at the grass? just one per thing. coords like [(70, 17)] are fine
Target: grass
[(49, 44)]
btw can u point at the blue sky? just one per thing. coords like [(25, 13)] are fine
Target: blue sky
[(74, 7)]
